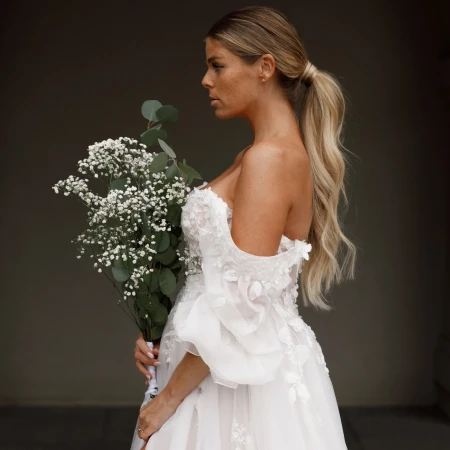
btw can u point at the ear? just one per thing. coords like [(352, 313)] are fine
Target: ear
[(267, 66)]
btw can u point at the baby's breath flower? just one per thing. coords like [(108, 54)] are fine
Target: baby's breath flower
[(123, 223)]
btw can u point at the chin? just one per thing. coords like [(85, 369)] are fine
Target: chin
[(220, 114)]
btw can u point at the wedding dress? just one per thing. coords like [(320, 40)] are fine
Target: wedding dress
[(269, 386)]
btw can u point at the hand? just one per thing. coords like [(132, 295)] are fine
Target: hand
[(142, 359), (155, 414)]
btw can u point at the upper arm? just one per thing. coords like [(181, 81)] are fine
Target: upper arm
[(261, 202)]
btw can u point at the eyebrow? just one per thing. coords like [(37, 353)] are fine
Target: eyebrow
[(212, 58)]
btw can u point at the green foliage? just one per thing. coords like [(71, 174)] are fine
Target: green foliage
[(149, 108), (141, 262), (150, 137)]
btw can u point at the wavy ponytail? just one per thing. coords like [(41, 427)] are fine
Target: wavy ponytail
[(321, 121)]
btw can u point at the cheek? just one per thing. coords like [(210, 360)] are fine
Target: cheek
[(238, 90)]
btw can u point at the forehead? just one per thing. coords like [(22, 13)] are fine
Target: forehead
[(215, 49)]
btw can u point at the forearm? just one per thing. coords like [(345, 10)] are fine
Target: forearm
[(189, 373)]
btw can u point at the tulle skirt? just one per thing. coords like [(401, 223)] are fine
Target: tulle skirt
[(296, 411)]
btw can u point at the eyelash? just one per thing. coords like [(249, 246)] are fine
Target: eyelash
[(216, 67)]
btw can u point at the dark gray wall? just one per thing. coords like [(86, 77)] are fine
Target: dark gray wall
[(77, 73)]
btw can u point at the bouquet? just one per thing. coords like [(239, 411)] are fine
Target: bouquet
[(134, 236)]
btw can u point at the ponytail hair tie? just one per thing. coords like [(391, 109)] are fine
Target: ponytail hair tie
[(309, 73)]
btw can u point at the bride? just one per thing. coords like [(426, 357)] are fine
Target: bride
[(237, 367)]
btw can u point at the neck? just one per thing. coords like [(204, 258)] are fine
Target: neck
[(271, 117)]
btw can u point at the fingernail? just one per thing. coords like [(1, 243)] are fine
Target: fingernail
[(148, 376), (150, 355), (157, 363)]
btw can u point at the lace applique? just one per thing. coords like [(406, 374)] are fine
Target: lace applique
[(298, 389), (297, 354), (169, 337), (240, 438), (189, 289), (312, 342), (207, 213)]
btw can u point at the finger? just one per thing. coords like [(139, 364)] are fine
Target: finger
[(144, 349), (153, 351), (142, 345), (143, 370), (145, 359)]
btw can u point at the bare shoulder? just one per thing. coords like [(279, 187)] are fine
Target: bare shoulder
[(277, 159), (263, 169), (261, 201), (281, 167), (266, 151)]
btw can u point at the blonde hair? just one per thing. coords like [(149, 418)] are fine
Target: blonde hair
[(251, 32)]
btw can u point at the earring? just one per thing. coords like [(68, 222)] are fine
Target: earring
[(263, 79)]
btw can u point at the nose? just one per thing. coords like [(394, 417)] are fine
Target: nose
[(205, 82)]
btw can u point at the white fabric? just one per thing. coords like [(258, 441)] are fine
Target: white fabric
[(269, 386)]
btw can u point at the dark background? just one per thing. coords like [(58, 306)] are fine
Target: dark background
[(73, 73)]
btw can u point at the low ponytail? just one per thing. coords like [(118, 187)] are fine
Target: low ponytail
[(321, 122)]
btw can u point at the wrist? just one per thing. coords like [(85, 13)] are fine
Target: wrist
[(171, 397)]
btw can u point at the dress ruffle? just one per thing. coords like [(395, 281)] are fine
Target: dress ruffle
[(233, 325)]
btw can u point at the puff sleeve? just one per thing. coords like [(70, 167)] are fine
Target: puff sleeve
[(232, 324)]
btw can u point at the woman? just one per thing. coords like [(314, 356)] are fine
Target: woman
[(238, 367)]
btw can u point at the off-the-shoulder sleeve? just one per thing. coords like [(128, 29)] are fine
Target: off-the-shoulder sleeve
[(231, 324)]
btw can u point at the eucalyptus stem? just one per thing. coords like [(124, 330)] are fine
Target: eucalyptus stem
[(118, 290), (152, 122)]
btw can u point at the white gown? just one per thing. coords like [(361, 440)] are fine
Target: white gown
[(269, 386)]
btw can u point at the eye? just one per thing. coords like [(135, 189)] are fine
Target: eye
[(217, 67)]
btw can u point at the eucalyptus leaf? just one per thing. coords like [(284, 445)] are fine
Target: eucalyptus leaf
[(167, 149), (190, 171), (155, 282), (175, 265), (142, 313), (166, 302), (142, 300), (159, 162), (120, 273), (167, 114), (172, 211), (167, 256), (163, 241), (150, 137), (142, 322), (152, 305), (174, 242), (118, 263), (171, 171), (147, 278), (156, 332), (177, 220), (167, 281), (160, 316), (118, 184), (149, 108)]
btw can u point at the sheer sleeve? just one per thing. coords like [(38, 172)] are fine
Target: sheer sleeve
[(230, 324)]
